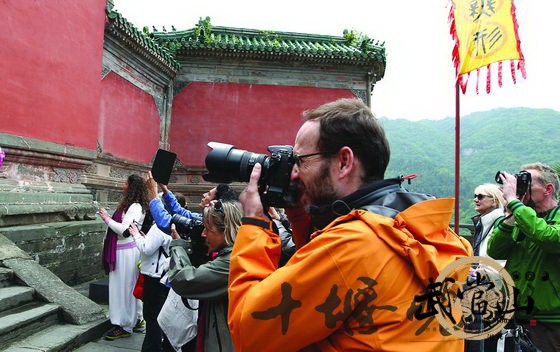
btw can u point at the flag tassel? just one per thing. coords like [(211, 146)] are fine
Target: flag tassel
[(521, 67), (488, 78), (477, 79), (500, 74)]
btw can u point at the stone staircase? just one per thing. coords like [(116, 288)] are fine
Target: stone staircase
[(38, 312), (21, 314)]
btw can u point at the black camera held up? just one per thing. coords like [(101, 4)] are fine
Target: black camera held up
[(226, 163), (523, 181), (190, 230)]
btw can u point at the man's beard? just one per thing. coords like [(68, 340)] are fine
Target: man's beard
[(320, 190)]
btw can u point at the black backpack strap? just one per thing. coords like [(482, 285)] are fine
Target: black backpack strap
[(186, 303), (161, 251), (148, 222), (551, 215)]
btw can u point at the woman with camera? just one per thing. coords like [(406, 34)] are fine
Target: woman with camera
[(209, 282), (120, 257)]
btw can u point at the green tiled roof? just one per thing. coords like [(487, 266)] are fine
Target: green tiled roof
[(227, 41), (120, 25), (206, 40)]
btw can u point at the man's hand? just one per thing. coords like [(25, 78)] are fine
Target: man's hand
[(250, 198), (273, 213), (174, 233), (509, 189), (163, 188), (151, 185), (301, 225), (133, 229)]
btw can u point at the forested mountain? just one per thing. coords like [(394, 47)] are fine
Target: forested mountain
[(500, 139)]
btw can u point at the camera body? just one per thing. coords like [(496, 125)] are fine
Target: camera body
[(190, 230), (523, 181), (226, 163), (126, 233)]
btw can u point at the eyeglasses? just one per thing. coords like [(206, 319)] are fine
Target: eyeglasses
[(216, 205), (482, 196), (298, 159)]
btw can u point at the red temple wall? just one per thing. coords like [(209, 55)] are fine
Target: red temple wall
[(249, 116), (51, 68), (129, 124)]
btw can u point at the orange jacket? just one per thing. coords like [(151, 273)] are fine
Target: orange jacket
[(351, 288)]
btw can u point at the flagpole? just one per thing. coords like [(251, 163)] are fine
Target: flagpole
[(457, 154)]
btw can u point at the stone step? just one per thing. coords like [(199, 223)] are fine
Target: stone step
[(18, 323), (13, 296), (6, 277), (60, 337)]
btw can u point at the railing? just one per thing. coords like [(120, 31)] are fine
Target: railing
[(465, 230)]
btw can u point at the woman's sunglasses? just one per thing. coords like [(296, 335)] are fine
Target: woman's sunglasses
[(218, 206), (481, 196)]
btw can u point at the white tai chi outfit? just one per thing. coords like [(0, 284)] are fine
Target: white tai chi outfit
[(124, 308)]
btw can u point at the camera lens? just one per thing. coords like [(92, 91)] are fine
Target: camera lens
[(226, 163)]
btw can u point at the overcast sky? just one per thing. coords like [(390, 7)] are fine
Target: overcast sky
[(419, 79)]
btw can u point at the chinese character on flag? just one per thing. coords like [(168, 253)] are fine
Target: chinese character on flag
[(485, 32)]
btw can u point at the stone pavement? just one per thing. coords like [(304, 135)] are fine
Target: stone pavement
[(125, 344)]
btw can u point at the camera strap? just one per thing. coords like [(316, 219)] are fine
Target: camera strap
[(549, 217), (161, 250)]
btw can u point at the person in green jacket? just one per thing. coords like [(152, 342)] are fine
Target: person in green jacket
[(529, 239), (209, 282)]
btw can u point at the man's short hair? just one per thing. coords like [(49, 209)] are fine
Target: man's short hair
[(546, 175), (226, 193), (181, 199), (350, 122)]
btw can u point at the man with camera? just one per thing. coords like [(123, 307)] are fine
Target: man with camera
[(366, 249), (529, 238)]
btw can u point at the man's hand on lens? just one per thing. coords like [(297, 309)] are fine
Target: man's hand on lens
[(174, 233), (509, 188), (250, 198), (273, 213)]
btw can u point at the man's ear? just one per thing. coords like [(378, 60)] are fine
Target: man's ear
[(549, 189), (345, 162)]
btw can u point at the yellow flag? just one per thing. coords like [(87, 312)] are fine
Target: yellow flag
[(485, 31)]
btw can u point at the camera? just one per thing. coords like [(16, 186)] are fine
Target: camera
[(190, 230), (523, 181), (226, 163), (126, 233)]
